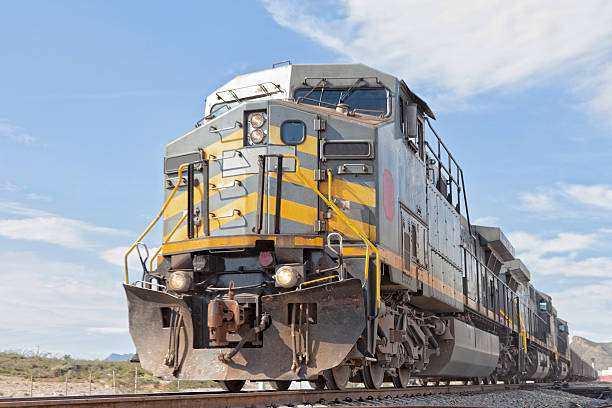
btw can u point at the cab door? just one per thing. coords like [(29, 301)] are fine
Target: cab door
[(347, 158), (292, 131)]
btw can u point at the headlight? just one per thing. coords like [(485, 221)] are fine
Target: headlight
[(179, 281), (256, 136), (287, 276), (257, 120)]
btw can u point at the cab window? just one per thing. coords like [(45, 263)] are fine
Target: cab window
[(293, 132)]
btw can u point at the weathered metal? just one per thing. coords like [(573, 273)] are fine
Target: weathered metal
[(326, 341)]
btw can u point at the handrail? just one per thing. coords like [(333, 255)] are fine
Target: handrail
[(329, 184), (167, 239), (524, 332), (146, 231), (346, 220), (319, 280), (507, 318)]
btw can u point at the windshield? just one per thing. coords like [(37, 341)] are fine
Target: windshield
[(221, 108), (370, 101)]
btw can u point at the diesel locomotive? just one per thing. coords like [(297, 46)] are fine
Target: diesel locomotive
[(316, 228)]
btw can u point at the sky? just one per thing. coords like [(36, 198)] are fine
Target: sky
[(91, 92)]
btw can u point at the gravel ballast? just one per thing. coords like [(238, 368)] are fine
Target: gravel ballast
[(537, 398)]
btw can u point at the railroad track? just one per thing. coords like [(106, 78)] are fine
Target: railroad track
[(213, 399)]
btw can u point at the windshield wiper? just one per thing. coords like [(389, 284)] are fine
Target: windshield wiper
[(345, 94)]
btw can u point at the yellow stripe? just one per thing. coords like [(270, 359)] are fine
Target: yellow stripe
[(237, 241), (306, 241), (310, 145), (232, 141), (352, 192), (179, 202), (507, 318), (244, 204), (336, 225), (289, 210), (354, 251), (340, 188)]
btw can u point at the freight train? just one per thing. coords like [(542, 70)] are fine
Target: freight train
[(316, 228)]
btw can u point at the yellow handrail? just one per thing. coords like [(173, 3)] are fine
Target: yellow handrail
[(170, 235), (167, 239), (524, 333), (329, 184), (346, 220), (504, 315), (320, 279), (178, 183)]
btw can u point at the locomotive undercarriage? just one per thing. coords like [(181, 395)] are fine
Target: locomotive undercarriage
[(235, 324)]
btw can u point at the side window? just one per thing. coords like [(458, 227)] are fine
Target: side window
[(293, 132), (407, 245), (406, 241), (413, 239), (414, 133)]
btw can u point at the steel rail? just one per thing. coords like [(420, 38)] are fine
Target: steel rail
[(217, 399)]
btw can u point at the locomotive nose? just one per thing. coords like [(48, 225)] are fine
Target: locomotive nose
[(327, 319)]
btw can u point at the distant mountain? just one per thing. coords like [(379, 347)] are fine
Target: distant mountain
[(587, 349), (114, 357)]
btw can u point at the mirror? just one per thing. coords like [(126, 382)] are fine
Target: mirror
[(411, 121)]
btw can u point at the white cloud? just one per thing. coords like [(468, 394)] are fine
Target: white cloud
[(55, 230), (14, 133), (38, 197), (108, 330), (10, 187), (596, 195), (562, 242), (538, 202), (460, 48), (599, 85), (568, 199), (581, 284), (40, 293), (14, 208), (486, 220), (588, 309), (115, 256), (560, 255), (40, 225)]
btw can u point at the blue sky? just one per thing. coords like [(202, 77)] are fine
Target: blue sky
[(90, 93)]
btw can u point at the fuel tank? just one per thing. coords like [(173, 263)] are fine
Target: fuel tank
[(465, 351)]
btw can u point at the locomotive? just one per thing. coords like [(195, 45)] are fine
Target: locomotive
[(316, 228)]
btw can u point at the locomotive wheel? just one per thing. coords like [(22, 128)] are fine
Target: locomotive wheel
[(338, 377), (373, 375), (232, 385), (401, 377), (318, 384), (281, 385)]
